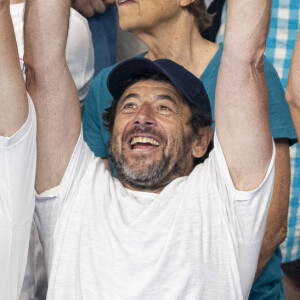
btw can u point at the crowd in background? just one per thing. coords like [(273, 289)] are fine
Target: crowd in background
[(96, 44)]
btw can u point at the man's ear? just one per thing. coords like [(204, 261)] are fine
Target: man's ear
[(184, 3), (202, 141)]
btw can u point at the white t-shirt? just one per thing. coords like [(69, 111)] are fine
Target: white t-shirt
[(79, 49), (17, 175), (198, 239)]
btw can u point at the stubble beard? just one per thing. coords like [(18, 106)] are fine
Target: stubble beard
[(153, 176)]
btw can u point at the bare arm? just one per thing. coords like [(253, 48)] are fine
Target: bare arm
[(293, 87), (13, 100), (276, 228), (52, 88), (242, 118)]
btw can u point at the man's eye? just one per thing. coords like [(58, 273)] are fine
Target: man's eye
[(164, 108), (129, 106)]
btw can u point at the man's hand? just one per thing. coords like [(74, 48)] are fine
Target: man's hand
[(89, 7)]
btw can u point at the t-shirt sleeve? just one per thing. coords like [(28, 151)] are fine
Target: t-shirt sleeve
[(17, 175), (50, 203), (249, 208), (280, 117), (247, 216), (17, 165)]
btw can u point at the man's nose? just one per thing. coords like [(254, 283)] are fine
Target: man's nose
[(145, 115)]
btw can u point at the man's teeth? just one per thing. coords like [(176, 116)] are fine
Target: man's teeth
[(144, 140), (122, 1)]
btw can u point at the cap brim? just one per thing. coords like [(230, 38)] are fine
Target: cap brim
[(132, 68)]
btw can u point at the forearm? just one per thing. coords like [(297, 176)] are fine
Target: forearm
[(46, 26), (276, 228), (13, 101), (51, 87)]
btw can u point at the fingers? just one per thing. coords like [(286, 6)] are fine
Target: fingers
[(84, 7), (89, 7), (98, 5)]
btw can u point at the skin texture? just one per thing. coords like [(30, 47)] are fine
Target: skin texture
[(293, 87), (53, 91), (144, 14), (16, 1), (154, 110), (13, 100), (241, 111), (168, 31)]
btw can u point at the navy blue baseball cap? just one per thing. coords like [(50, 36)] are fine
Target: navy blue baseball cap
[(188, 85)]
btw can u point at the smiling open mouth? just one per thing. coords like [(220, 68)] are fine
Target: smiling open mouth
[(143, 143), (120, 2)]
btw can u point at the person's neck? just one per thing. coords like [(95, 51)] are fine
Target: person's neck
[(181, 42)]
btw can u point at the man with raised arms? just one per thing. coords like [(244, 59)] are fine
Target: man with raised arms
[(165, 228), (17, 162)]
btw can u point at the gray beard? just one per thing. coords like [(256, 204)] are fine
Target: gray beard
[(156, 175), (152, 177)]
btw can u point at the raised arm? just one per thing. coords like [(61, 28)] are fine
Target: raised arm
[(13, 100), (17, 162), (241, 113), (293, 87), (52, 88)]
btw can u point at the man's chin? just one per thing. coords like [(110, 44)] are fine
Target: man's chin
[(142, 172), (142, 169)]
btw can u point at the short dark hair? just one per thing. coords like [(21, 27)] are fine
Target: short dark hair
[(198, 120), (203, 19)]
